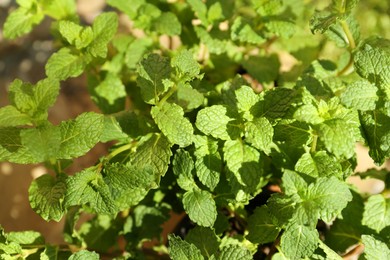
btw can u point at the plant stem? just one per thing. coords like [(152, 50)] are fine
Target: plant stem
[(314, 144), (348, 33), (119, 150), (168, 95)]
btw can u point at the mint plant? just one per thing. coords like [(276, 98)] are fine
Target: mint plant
[(207, 119)]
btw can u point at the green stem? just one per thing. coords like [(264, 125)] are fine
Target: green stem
[(349, 35), (119, 150), (314, 144), (168, 95)]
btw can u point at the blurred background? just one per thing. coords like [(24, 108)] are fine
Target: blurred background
[(25, 58)]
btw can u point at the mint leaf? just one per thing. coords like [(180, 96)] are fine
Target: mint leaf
[(262, 226), (112, 130), (186, 65), (46, 195), (200, 9), (204, 239), (10, 116), (299, 241), (232, 252), (188, 98), (167, 23), (59, 9), (88, 188), (78, 136), (84, 254), (26, 237), (275, 103), (374, 248), (104, 27), (171, 121), (12, 148), (136, 50), (371, 62), (319, 164), (182, 168), (200, 207), (214, 121), (335, 134), (308, 113), (64, 64), (128, 185), (376, 127), (246, 99), (293, 183), (265, 70), (259, 134), (243, 161), (208, 162), (329, 196), (21, 21), (110, 94), (182, 250), (130, 10), (376, 212), (361, 95), (152, 70), (242, 30), (34, 100), (153, 150)]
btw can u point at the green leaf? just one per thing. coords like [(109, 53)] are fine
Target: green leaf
[(112, 130), (243, 161), (200, 9), (12, 148), (186, 65), (330, 254), (136, 50), (26, 238), (84, 254), (78, 136), (233, 252), (59, 9), (182, 250), (246, 99), (329, 196), (153, 150), (183, 166), (280, 27), (104, 27), (21, 21), (167, 23), (275, 102), (375, 249), (123, 5), (200, 207), (128, 185), (110, 94), (376, 128), (293, 183), (10, 116), (208, 162), (308, 113), (43, 142), (46, 196), (259, 134), (262, 226), (376, 213), (242, 30), (214, 121), (171, 121), (65, 64), (371, 62), (88, 188), (152, 70), (337, 138), (299, 241), (34, 101), (319, 164), (361, 95), (188, 98), (204, 239), (265, 69)]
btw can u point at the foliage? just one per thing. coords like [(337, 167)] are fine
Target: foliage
[(256, 151)]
